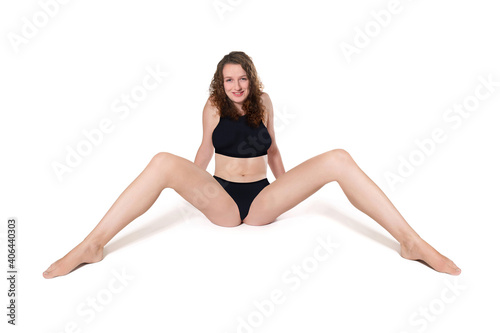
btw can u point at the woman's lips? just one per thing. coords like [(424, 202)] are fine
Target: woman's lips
[(238, 94)]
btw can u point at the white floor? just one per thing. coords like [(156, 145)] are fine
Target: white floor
[(322, 266)]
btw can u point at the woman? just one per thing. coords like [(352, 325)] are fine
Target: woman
[(238, 124)]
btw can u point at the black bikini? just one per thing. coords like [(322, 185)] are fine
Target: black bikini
[(236, 138)]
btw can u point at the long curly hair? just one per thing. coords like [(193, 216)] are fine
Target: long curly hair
[(253, 106)]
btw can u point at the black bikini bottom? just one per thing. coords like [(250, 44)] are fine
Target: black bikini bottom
[(243, 193)]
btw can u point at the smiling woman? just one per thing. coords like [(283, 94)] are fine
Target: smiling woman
[(236, 83), (238, 125), (236, 88)]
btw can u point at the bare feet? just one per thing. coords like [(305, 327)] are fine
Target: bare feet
[(420, 250), (81, 254)]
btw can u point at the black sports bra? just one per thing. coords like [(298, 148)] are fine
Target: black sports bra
[(235, 138)]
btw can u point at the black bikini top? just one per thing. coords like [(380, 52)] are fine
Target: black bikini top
[(235, 138)]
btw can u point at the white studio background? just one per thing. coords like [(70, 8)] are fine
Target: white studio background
[(411, 89)]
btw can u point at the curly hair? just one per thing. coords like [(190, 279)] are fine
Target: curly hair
[(253, 106)]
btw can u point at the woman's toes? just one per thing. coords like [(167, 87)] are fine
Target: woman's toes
[(454, 270), (48, 272), (426, 253)]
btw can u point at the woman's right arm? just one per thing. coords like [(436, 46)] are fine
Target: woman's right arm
[(206, 150)]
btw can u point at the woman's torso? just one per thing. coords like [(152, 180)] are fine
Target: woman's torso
[(241, 169)]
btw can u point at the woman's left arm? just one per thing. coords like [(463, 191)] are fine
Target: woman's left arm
[(273, 154)]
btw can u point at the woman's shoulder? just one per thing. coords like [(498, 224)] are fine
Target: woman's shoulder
[(266, 100), (210, 117), (265, 97), (268, 107), (210, 108)]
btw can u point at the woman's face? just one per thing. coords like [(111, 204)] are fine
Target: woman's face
[(236, 83)]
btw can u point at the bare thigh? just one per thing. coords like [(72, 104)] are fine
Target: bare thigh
[(295, 186), (199, 188)]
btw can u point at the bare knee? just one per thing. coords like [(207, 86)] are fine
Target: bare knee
[(162, 158), (338, 157), (161, 165), (339, 161)]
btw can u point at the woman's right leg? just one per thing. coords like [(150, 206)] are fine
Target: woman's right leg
[(165, 170)]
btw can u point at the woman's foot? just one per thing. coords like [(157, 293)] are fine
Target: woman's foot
[(419, 250), (81, 254)]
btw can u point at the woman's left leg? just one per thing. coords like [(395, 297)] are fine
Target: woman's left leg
[(337, 165)]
